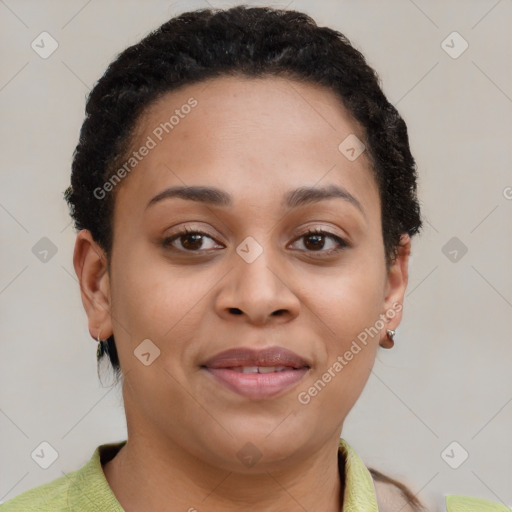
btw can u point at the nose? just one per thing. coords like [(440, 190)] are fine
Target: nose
[(260, 292)]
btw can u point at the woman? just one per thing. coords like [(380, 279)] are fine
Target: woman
[(245, 198)]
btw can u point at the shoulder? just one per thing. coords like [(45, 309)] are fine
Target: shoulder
[(48, 497), (85, 489), (457, 503), (394, 496)]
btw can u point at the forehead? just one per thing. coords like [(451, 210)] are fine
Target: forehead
[(254, 137)]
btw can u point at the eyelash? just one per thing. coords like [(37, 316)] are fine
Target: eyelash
[(342, 244)]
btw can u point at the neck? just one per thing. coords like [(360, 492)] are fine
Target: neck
[(156, 475)]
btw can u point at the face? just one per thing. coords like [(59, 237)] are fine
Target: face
[(309, 308)]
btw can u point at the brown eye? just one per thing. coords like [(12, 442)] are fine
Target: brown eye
[(315, 241), (190, 240)]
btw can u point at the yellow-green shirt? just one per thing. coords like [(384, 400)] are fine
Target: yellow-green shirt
[(87, 489)]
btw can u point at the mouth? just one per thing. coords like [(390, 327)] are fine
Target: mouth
[(257, 374), (260, 369)]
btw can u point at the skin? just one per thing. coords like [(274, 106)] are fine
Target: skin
[(256, 139)]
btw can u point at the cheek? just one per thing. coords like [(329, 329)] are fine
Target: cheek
[(347, 307), (348, 302), (139, 295), (155, 300)]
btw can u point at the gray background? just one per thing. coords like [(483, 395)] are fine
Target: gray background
[(449, 376)]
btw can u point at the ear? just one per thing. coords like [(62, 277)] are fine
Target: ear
[(396, 284), (90, 265)]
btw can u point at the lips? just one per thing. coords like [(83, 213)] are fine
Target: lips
[(244, 357), (257, 374)]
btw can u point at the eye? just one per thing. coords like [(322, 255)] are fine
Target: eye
[(190, 240), (314, 241)]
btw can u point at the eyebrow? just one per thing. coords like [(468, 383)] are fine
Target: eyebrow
[(294, 198)]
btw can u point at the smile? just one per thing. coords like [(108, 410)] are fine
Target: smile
[(257, 374)]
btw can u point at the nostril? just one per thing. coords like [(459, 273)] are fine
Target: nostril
[(236, 311)]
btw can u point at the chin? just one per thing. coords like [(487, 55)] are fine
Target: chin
[(254, 450)]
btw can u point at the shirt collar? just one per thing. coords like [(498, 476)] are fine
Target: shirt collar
[(89, 491), (359, 493)]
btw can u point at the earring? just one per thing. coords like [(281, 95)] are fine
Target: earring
[(101, 348), (390, 335)]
